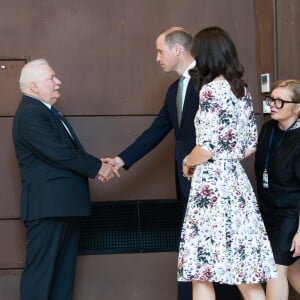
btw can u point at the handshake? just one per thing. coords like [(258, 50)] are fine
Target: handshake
[(110, 168)]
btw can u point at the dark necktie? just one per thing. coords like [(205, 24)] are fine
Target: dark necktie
[(179, 99), (58, 115)]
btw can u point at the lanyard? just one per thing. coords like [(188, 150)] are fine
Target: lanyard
[(269, 156)]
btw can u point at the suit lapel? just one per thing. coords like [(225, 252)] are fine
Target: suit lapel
[(42, 106), (75, 139)]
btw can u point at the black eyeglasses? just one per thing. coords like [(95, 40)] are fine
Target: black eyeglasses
[(279, 103)]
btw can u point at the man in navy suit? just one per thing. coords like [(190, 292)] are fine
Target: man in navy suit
[(173, 48), (54, 171)]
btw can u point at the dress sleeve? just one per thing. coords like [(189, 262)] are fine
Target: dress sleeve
[(250, 124), (207, 120), (226, 125)]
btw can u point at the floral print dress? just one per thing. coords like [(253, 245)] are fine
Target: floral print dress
[(223, 237)]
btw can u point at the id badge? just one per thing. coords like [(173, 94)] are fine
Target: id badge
[(265, 179)]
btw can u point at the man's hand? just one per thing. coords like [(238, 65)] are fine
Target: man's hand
[(115, 162), (107, 172)]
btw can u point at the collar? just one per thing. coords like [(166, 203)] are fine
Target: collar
[(47, 104), (37, 99), (186, 72)]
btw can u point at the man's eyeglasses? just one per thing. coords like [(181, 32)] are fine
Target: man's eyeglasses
[(279, 103)]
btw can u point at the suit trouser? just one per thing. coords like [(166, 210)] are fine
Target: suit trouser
[(51, 254)]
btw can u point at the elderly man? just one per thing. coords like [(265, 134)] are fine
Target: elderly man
[(54, 171)]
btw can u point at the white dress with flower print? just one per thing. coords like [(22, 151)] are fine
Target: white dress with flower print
[(223, 237)]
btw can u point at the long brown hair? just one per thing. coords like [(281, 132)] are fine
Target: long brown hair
[(215, 55)]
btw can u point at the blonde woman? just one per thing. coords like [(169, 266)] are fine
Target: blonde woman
[(277, 167)]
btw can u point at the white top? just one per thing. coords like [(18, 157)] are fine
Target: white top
[(186, 79)]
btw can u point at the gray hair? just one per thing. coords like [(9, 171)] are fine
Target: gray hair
[(31, 72)]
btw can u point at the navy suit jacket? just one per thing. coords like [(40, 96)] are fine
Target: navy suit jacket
[(161, 126), (54, 167)]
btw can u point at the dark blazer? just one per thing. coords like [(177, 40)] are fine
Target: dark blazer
[(54, 167), (161, 126)]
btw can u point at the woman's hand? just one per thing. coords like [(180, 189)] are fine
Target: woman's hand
[(187, 171), (196, 157), (296, 245)]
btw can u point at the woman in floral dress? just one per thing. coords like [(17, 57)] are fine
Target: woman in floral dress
[(223, 237)]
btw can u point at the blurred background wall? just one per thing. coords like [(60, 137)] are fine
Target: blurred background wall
[(104, 53)]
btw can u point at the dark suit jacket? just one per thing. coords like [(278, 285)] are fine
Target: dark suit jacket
[(161, 126), (54, 168)]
